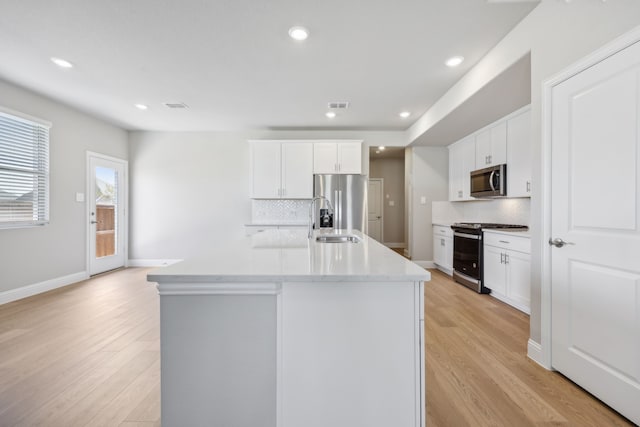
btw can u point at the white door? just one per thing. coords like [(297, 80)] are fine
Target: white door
[(107, 184), (595, 288), (375, 208)]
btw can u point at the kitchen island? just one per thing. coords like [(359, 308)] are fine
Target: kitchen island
[(281, 330)]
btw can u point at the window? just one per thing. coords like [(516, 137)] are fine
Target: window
[(24, 170)]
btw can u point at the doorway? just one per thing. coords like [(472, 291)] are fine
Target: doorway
[(389, 166), (106, 213)]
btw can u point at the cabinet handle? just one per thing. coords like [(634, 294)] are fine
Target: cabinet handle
[(504, 241), (528, 186), (441, 242), (501, 258), (506, 258), (460, 193), (490, 158)]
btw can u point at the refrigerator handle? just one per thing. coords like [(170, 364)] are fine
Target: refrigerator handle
[(336, 209), (340, 202)]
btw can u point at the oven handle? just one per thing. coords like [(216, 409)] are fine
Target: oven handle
[(467, 236)]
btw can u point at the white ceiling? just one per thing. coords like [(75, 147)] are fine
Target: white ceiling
[(233, 64)]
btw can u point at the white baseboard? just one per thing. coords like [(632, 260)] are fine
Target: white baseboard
[(425, 264), (534, 351), (447, 271), (394, 245), (151, 262), (38, 288)]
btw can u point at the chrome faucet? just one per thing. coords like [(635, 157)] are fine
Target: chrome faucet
[(311, 211)]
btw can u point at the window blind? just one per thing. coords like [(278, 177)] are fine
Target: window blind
[(24, 172)]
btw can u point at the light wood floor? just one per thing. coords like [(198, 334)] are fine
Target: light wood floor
[(88, 355)]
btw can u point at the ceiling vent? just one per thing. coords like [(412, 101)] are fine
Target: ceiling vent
[(177, 105), (340, 105)]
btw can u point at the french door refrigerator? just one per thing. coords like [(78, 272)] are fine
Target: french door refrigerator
[(348, 196)]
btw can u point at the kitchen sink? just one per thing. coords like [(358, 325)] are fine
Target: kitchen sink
[(338, 238)]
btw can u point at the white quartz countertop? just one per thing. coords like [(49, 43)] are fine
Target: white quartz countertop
[(289, 256)]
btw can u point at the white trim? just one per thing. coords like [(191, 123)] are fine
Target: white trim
[(425, 264), (615, 46), (38, 288), (25, 117), (151, 262), (125, 198), (534, 352), (165, 289), (400, 245)]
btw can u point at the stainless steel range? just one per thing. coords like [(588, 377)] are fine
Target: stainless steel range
[(468, 252)]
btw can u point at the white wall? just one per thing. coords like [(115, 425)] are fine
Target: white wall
[(392, 172), (429, 179), (557, 34), (30, 256), (189, 191)]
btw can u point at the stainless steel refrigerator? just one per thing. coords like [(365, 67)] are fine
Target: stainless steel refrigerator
[(348, 196)]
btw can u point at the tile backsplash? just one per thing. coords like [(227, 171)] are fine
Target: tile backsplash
[(282, 211), (504, 211)]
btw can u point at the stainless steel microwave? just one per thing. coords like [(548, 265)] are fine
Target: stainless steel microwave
[(489, 182)]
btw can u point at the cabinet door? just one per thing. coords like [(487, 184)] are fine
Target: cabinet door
[(498, 155), (494, 270), (297, 170), (483, 148), (519, 155), (265, 161), (491, 146), (455, 172), (468, 165), (325, 157), (349, 157), (519, 279), (448, 252), (439, 252)]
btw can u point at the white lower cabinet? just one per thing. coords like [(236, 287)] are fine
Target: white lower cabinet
[(443, 248), (507, 268)]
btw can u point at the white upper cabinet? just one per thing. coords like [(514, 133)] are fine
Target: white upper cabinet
[(337, 157), (519, 155), (491, 146), (462, 159), (281, 170), (508, 140)]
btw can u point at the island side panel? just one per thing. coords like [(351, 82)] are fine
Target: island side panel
[(218, 360), (351, 355)]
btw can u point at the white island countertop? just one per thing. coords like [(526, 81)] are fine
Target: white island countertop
[(289, 256)]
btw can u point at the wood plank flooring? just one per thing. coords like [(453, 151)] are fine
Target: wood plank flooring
[(88, 355)]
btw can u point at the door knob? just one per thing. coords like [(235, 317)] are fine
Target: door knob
[(558, 242), (95, 222)]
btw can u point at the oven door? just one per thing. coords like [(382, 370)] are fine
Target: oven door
[(466, 254)]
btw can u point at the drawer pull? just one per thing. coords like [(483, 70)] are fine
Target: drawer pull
[(504, 241)]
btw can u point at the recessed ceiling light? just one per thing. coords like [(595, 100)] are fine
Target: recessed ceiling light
[(405, 114), (330, 114), (141, 107), (454, 61), (381, 147), (62, 63), (298, 33)]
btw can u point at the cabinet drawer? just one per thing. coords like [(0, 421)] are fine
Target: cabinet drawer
[(442, 231), (516, 243)]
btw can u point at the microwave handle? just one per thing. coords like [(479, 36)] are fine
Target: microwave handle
[(493, 173)]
